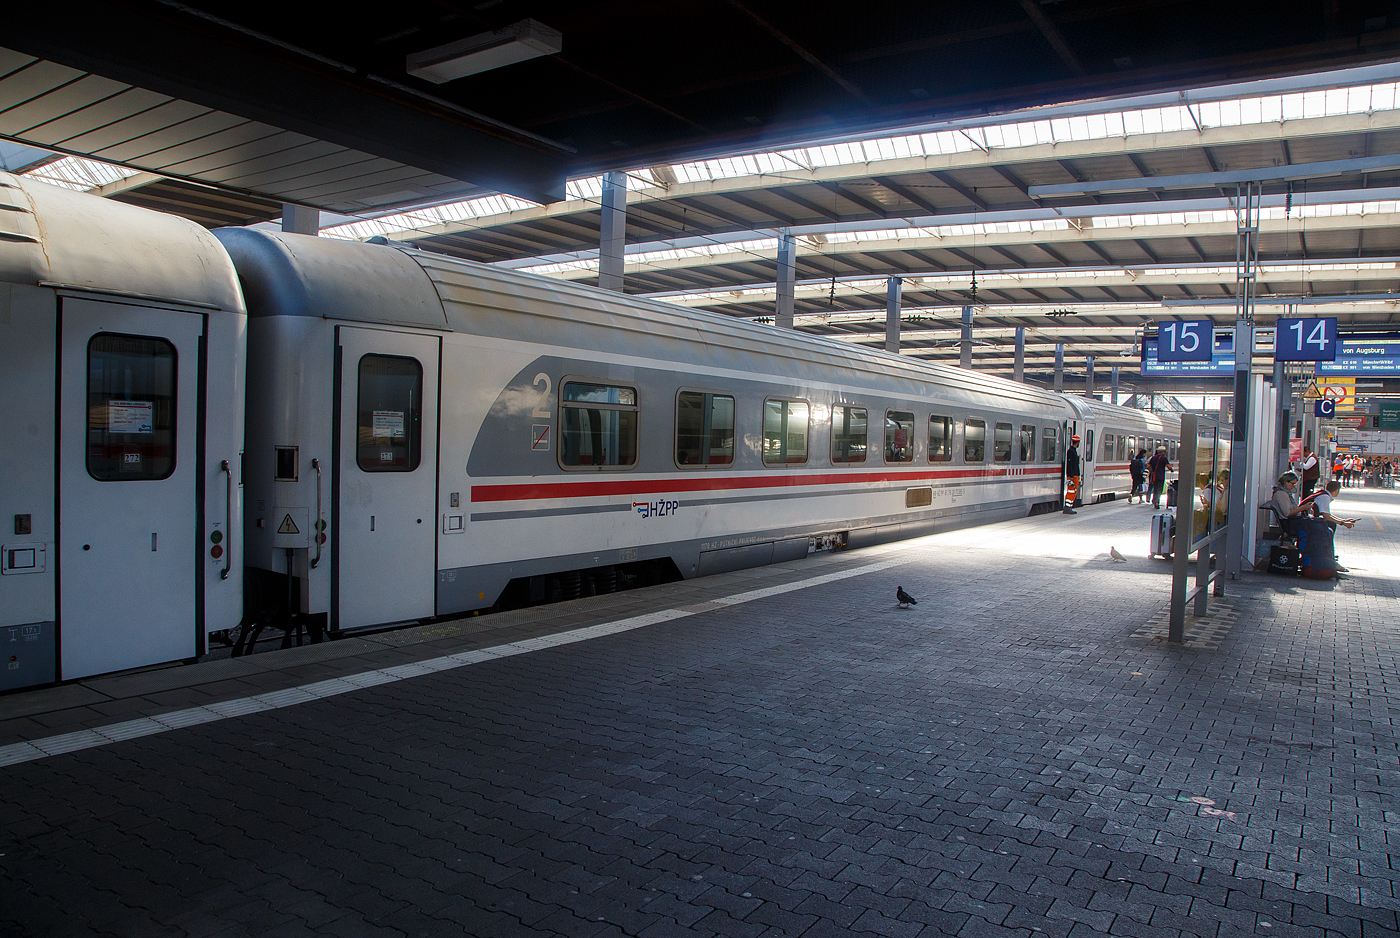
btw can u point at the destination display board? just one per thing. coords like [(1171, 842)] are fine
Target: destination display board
[(1222, 360), (1362, 355)]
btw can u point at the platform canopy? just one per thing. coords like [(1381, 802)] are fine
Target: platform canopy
[(334, 108)]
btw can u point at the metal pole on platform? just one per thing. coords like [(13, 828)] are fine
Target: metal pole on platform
[(965, 345), (1185, 520), (1115, 384), (1089, 376), (787, 274), (892, 304), (1018, 372), (1282, 417), (1059, 366), (1247, 204), (613, 231)]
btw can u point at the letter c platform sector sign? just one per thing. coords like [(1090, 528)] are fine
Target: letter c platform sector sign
[(1324, 408)]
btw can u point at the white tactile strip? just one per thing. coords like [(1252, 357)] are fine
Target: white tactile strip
[(15, 753)]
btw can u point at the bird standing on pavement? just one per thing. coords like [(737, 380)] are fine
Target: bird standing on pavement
[(905, 600), (1116, 557)]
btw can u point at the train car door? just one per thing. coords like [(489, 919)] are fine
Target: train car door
[(128, 532), (384, 540)]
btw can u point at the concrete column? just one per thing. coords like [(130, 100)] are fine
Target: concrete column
[(1019, 369), (787, 276), (893, 300), (301, 219), (1089, 376), (1283, 418), (965, 347), (612, 244), (1059, 366), (1115, 385)]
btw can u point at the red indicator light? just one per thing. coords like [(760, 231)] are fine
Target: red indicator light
[(216, 552)]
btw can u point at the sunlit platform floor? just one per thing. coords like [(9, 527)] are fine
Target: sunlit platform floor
[(777, 752)]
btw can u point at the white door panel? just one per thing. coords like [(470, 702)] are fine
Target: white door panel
[(387, 466), (128, 424)]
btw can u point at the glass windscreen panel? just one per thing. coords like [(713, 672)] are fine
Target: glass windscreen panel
[(975, 440), (899, 436), (1210, 502), (390, 414), (1049, 443), (940, 439), (1002, 449), (785, 432), (598, 426), (1027, 443), (704, 429), (850, 433), (131, 408)]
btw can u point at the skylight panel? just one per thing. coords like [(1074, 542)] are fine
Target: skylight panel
[(74, 172)]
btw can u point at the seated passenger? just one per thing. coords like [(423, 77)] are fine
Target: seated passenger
[(1285, 502)]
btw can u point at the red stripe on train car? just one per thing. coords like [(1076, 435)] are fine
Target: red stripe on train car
[(530, 490)]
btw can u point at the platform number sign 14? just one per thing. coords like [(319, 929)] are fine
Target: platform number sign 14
[(1306, 340), (1190, 340)]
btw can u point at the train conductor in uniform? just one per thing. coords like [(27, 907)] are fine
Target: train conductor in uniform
[(1071, 475)]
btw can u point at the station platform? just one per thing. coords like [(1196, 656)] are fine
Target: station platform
[(775, 752)]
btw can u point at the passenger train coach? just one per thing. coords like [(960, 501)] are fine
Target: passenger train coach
[(426, 437)]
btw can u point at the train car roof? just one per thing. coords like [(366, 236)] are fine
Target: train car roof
[(300, 275), (1092, 408), (55, 237)]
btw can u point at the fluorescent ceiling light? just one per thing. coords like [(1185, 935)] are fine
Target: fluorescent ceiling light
[(526, 39)]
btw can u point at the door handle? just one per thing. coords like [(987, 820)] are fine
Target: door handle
[(228, 518), (316, 534)]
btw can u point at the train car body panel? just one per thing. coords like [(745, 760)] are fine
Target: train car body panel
[(119, 325)]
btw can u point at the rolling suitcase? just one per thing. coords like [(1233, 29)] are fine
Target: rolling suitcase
[(1160, 537)]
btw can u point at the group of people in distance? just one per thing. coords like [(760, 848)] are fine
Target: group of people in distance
[(1353, 469)]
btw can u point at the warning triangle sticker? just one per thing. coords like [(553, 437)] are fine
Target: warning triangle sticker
[(288, 526), (1312, 393)]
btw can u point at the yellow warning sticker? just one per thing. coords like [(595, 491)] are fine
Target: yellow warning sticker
[(288, 526), (1312, 393)]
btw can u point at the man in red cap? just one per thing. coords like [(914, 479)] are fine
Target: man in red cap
[(1071, 475)]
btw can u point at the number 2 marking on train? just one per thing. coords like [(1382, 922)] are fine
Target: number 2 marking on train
[(542, 411)]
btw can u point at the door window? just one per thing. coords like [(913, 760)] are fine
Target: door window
[(1027, 443), (130, 408), (940, 439), (390, 431)]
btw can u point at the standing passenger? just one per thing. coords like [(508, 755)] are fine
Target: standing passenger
[(1071, 475), (1138, 467), (1311, 471), (1157, 468)]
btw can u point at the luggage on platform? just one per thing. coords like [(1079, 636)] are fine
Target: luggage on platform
[(1285, 560), (1171, 493), (1317, 546), (1160, 537)]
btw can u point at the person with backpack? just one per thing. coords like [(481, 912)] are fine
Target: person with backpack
[(1157, 468), (1137, 466)]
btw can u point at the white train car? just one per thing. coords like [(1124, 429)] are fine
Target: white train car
[(1109, 437), (121, 371), (424, 433)]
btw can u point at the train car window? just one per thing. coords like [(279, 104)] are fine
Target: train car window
[(785, 432), (131, 408), (899, 436), (1027, 443), (704, 429), (1002, 449), (975, 440), (940, 439), (599, 426), (390, 410), (1108, 446), (1049, 445), (1122, 447), (850, 434), (1089, 445)]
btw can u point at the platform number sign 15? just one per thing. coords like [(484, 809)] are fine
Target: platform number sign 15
[(1190, 340), (1306, 340)]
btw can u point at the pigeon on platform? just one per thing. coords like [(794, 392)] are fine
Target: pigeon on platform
[(1116, 557), (905, 600)]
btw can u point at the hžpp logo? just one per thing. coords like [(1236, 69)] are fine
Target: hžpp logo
[(655, 509)]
